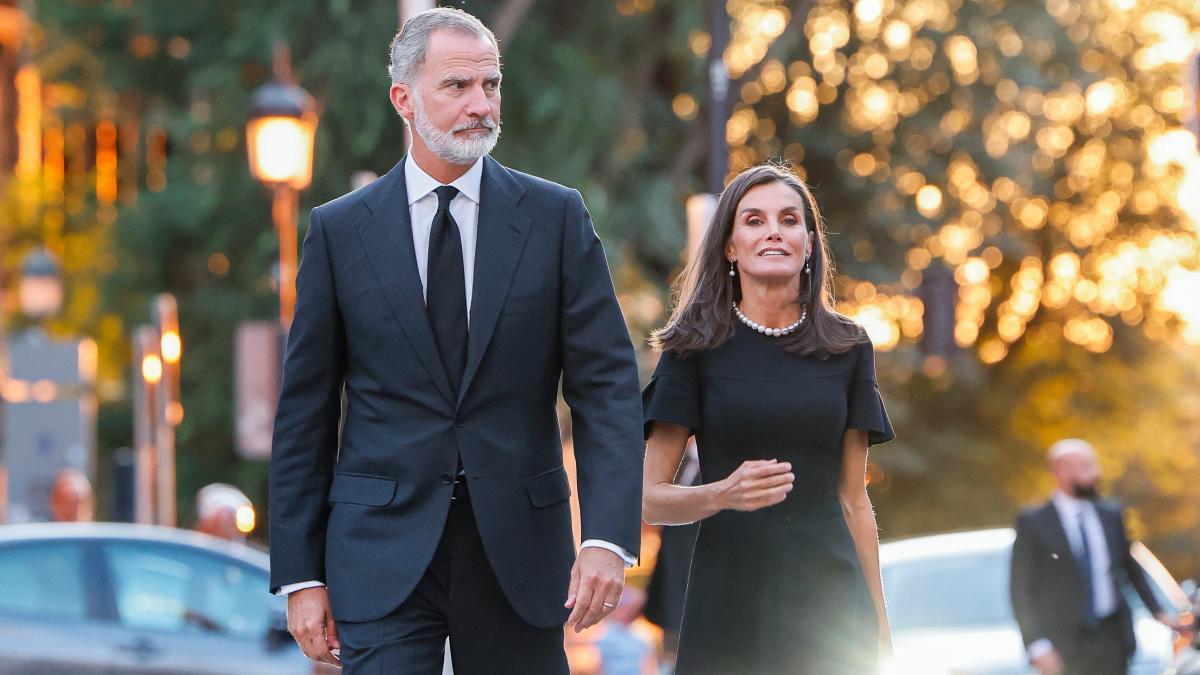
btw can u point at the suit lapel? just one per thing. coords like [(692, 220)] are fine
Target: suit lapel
[(1052, 527), (503, 231), (1109, 522), (387, 237)]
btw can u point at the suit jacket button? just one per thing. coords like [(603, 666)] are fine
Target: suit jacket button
[(447, 478), (460, 423)]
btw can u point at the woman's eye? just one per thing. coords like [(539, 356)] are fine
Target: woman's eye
[(754, 221)]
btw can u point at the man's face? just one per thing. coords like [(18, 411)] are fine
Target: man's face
[(454, 106), (1078, 474)]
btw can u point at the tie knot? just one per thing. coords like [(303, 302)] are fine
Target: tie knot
[(445, 195)]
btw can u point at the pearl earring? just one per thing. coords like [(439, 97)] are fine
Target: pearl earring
[(807, 268), (732, 271)]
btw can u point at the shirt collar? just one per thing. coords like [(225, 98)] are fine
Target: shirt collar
[(419, 184), (1068, 505)]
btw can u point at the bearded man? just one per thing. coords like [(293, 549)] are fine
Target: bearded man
[(448, 300)]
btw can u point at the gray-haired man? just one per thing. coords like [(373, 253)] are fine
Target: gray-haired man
[(448, 299)]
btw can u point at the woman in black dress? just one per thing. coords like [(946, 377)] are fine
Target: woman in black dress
[(780, 392)]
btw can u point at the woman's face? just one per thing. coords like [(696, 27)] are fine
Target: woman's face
[(770, 240)]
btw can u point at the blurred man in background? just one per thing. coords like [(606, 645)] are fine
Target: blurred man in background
[(71, 498), (217, 511), (1069, 558), (623, 649)]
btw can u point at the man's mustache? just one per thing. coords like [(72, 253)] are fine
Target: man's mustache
[(484, 123)]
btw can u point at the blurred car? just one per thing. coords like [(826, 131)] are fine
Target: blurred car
[(950, 613), (91, 598)]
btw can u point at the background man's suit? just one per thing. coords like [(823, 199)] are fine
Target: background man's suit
[(1049, 590), (365, 512)]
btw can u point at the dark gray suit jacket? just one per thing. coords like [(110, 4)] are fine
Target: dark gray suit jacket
[(1047, 587), (364, 512)]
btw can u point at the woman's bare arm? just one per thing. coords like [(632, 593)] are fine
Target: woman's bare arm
[(754, 485), (860, 519)]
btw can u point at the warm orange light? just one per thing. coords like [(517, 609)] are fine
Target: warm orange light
[(172, 347), (152, 368), (281, 149), (174, 412), (246, 519), (44, 391), (929, 200), (15, 391)]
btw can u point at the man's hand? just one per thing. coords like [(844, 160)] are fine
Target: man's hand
[(597, 580), (311, 623), (1049, 663)]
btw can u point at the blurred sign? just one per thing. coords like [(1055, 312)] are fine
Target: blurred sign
[(257, 371), (48, 419)]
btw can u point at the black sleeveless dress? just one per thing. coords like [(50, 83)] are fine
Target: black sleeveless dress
[(779, 590)]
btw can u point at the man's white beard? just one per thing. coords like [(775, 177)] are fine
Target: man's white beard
[(445, 145)]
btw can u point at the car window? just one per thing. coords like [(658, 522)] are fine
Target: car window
[(175, 588), (43, 579), (967, 589)]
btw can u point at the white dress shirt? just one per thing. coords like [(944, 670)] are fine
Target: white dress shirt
[(464, 208), (1071, 513)]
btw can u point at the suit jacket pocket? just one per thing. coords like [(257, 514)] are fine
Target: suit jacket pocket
[(358, 488), (548, 487)]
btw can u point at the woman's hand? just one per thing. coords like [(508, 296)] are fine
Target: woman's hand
[(756, 484)]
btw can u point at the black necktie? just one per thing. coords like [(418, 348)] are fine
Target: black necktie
[(1085, 567), (446, 290)]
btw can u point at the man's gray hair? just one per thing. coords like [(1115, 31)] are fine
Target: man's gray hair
[(412, 42)]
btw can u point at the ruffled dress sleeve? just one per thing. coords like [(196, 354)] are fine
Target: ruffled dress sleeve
[(673, 394), (865, 409)]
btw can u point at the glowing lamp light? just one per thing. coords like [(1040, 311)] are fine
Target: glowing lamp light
[(246, 519), (929, 200), (174, 413), (152, 368), (172, 347), (280, 135), (41, 289)]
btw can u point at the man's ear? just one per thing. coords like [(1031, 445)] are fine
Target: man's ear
[(402, 101)]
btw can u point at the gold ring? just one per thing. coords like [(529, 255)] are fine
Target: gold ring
[(608, 605)]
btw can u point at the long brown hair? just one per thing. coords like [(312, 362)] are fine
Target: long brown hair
[(703, 315)]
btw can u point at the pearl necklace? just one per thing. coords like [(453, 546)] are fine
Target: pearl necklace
[(770, 332)]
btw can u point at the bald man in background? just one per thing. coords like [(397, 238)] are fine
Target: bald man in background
[(1069, 560), (217, 507), (71, 498)]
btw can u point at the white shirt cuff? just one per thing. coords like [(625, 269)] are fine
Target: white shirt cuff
[(298, 586), (630, 560), (1040, 648)]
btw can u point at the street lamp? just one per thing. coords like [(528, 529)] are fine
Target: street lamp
[(41, 290), (279, 139), (168, 413)]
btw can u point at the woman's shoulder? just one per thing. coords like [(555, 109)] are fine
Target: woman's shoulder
[(675, 362)]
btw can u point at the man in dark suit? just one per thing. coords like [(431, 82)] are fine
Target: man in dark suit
[(447, 300), (1069, 561)]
